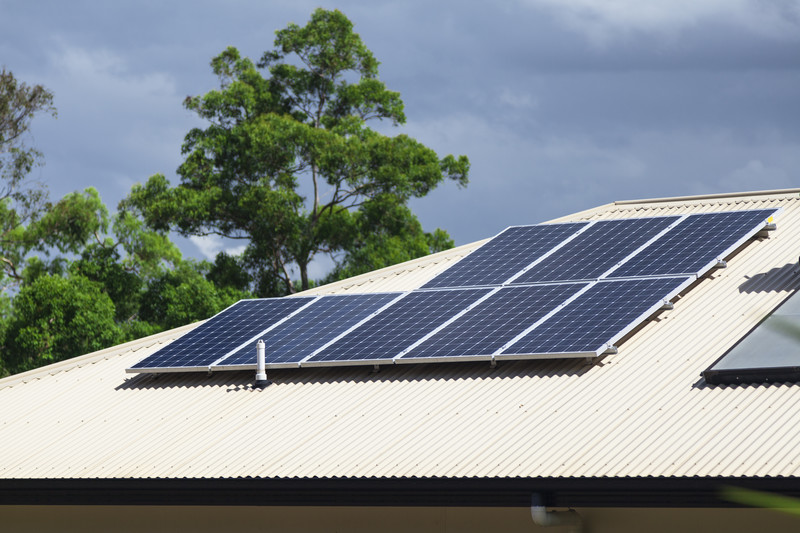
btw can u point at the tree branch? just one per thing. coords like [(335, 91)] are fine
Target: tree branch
[(13, 272)]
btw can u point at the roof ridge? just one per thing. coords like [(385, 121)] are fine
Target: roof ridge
[(666, 199)]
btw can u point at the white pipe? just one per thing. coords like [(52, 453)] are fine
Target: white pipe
[(544, 518), (261, 366)]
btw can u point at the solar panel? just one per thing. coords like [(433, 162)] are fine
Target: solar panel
[(524, 294), (307, 330), (595, 250), (695, 244), (220, 334), (505, 255), (597, 318), (397, 327), (492, 323)]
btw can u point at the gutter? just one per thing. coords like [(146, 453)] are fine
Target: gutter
[(403, 492)]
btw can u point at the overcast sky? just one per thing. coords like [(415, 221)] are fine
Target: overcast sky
[(560, 105)]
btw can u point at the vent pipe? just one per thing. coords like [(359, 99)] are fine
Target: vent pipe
[(544, 518), (261, 367)]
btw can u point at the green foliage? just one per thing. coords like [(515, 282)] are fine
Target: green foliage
[(183, 295), (439, 241), (383, 233), (766, 500), (146, 250), (81, 279), (287, 163), (5, 315), (22, 202), (55, 318), (18, 105), (104, 266), (305, 122), (229, 272), (65, 226)]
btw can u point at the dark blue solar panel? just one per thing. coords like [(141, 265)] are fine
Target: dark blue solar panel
[(381, 327), (222, 333), (505, 255), (495, 321), (597, 317), (604, 244), (399, 326), (695, 243), (311, 328)]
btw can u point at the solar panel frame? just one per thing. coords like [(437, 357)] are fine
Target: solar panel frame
[(596, 249), (181, 349), (559, 237), (675, 285), (490, 323), (649, 255), (472, 271), (386, 335), (337, 319)]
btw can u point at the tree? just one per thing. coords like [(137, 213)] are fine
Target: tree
[(66, 226), (21, 201), (18, 105), (81, 279), (182, 296), (120, 288), (382, 233), (55, 318), (288, 162)]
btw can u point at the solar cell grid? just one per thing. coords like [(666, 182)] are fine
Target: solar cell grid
[(493, 322), (695, 243), (598, 248), (597, 317), (399, 326), (222, 333), (505, 255), (310, 329), (374, 328)]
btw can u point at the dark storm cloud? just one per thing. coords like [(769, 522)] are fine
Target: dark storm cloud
[(559, 105)]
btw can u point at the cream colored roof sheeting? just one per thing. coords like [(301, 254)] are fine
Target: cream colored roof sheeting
[(642, 412)]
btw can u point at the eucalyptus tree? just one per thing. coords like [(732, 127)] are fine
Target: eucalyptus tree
[(288, 161)]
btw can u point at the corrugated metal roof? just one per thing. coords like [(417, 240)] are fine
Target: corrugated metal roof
[(644, 411)]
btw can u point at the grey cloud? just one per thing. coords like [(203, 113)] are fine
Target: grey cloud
[(552, 121)]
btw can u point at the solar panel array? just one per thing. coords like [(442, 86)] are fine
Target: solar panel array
[(222, 334), (310, 329), (494, 322), (386, 335), (597, 249), (517, 246), (602, 314), (695, 244), (544, 291)]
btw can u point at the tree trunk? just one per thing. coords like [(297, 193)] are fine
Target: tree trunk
[(304, 275)]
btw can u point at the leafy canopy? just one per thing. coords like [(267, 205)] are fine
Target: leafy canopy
[(56, 318), (289, 164), (74, 279), (19, 103), (21, 201)]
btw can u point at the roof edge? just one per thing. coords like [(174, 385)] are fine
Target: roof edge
[(773, 192), (403, 492)]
